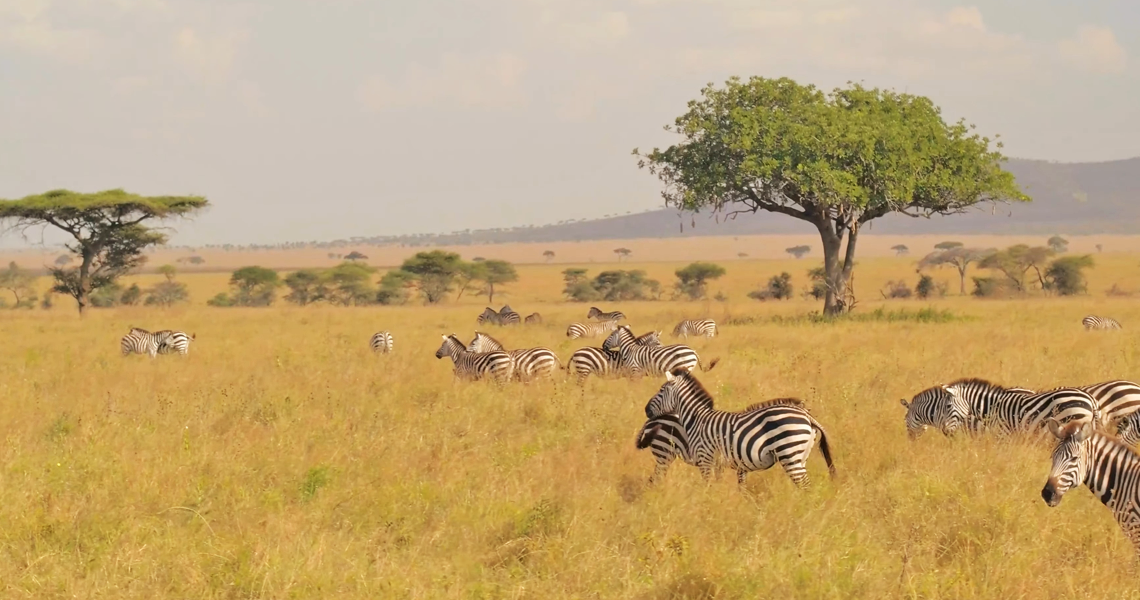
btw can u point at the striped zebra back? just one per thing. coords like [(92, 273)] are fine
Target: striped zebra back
[(176, 342), (1093, 322), (981, 404), (589, 330), (597, 314), (705, 327), (141, 341), (475, 365), (526, 364), (645, 360), (667, 440), (381, 342), (596, 361), (494, 318)]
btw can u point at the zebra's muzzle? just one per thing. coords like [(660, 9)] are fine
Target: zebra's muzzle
[(1049, 493)]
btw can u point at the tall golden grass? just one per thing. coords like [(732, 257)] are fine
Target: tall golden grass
[(281, 459)]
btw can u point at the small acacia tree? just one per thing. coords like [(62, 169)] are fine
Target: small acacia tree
[(548, 255), (692, 281), (497, 272), (798, 251), (435, 273), (623, 253), (837, 161), (254, 286), (1066, 277), (1015, 263), (957, 256), (947, 245), (900, 250), (1058, 244), (107, 229), (21, 284)]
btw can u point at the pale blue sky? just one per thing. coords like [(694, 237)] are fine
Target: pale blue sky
[(319, 119)]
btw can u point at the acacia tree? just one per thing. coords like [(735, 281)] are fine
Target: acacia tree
[(623, 253), (957, 256), (1015, 263), (837, 161), (900, 249), (497, 272), (798, 251), (948, 245), (548, 255), (107, 228)]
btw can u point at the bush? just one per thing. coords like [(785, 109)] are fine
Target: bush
[(131, 295), (991, 287), (222, 299), (1066, 277), (395, 287), (897, 290), (925, 286), (167, 293), (779, 288), (692, 281), (818, 279), (610, 285), (106, 296)]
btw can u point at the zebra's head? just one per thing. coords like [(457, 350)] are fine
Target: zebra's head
[(488, 313), (450, 346), (483, 343), (929, 408), (620, 337), (653, 338), (506, 310), (679, 385), (1070, 459), (594, 311), (680, 328), (1128, 430)]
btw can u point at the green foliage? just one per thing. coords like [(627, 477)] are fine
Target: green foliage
[(1058, 244), (837, 160), (21, 284), (612, 285), (692, 280), (900, 250), (354, 256), (395, 287), (578, 287), (254, 286), (222, 299), (957, 256), (926, 287), (623, 253), (167, 271), (779, 288), (818, 278), (435, 273), (315, 479), (947, 245), (107, 296), (497, 272), (306, 287), (1066, 277), (350, 284), (167, 293), (1016, 262), (131, 295), (798, 251), (991, 287)]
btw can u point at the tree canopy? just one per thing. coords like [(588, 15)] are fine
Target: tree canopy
[(692, 280), (837, 160), (957, 256), (107, 229)]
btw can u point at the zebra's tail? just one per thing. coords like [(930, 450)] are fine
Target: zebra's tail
[(712, 363), (824, 448), (645, 436)]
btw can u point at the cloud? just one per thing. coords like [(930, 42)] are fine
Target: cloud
[(489, 81), (25, 25), (604, 28), (1094, 49), (211, 59)]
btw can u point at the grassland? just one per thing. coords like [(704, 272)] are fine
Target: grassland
[(282, 460)]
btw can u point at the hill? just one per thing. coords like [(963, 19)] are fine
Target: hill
[(1068, 198)]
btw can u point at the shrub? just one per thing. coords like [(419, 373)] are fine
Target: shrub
[(818, 279), (692, 281), (896, 290), (1066, 277), (167, 293), (131, 295), (222, 299), (615, 285), (991, 287), (779, 288), (395, 287)]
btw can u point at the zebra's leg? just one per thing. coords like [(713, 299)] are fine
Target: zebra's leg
[(659, 470), (706, 471), (797, 471), (740, 474)]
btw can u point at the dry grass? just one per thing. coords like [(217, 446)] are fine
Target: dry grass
[(282, 460)]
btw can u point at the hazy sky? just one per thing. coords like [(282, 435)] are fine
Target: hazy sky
[(319, 119)]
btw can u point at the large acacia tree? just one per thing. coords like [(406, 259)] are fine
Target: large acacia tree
[(107, 228), (837, 161)]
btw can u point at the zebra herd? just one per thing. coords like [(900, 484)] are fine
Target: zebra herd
[(1096, 426), (506, 316)]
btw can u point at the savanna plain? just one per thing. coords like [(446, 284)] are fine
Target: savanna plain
[(282, 459)]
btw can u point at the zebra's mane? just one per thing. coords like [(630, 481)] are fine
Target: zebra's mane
[(699, 393), (480, 333), (977, 381), (796, 402)]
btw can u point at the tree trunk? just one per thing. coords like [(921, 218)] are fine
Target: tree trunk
[(962, 280), (490, 292), (837, 273)]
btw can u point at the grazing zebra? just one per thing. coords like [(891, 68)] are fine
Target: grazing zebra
[(753, 439), (528, 364), (1110, 469), (980, 404), (589, 330), (643, 360), (475, 365), (381, 342), (931, 408), (1092, 322), (596, 361), (666, 438), (533, 319), (141, 341), (490, 316), (705, 327), (176, 341), (597, 314)]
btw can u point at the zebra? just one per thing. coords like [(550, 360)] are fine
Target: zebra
[(490, 316), (533, 319), (176, 341), (596, 361), (1092, 322), (980, 404), (589, 330), (597, 314), (381, 342), (931, 408), (705, 327), (642, 360), (528, 364), (475, 365), (1109, 468), (753, 439), (141, 341), (666, 438)]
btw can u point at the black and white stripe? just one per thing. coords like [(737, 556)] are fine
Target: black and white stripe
[(932, 408), (141, 341), (1093, 322), (596, 361), (533, 319), (753, 439), (980, 405), (490, 316), (597, 314), (527, 364), (666, 439), (1109, 468), (589, 330), (381, 342), (176, 342), (641, 360), (695, 327), (475, 365)]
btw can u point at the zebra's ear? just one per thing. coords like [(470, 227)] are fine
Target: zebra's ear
[(669, 376), (903, 402), (1054, 427), (1084, 432)]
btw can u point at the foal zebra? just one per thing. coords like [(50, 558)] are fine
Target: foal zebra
[(753, 439), (528, 363), (642, 360), (1110, 469), (589, 330), (980, 404), (597, 314), (533, 319), (596, 361), (141, 341), (475, 365), (666, 438), (1092, 322), (705, 327), (381, 342), (490, 316)]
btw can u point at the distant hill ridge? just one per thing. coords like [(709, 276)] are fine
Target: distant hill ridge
[(1068, 198)]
